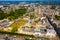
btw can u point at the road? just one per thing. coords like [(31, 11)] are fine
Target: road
[(54, 25)]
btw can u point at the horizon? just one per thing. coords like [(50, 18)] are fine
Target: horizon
[(30, 0)]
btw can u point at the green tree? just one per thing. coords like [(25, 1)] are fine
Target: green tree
[(32, 15), (2, 15), (57, 17), (20, 12), (11, 13), (17, 13), (53, 7), (11, 18)]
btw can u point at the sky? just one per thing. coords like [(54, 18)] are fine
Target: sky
[(19, 0), (29, 0)]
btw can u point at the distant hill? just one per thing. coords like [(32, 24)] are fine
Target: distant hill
[(41, 2)]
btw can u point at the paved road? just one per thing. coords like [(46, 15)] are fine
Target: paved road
[(55, 26)]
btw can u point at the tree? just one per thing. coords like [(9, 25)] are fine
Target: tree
[(11, 18), (20, 12), (32, 15), (57, 17), (53, 7), (2, 15), (13, 14)]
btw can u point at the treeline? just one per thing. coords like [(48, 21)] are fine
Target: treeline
[(12, 14)]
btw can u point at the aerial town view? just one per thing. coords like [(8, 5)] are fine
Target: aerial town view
[(30, 20)]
